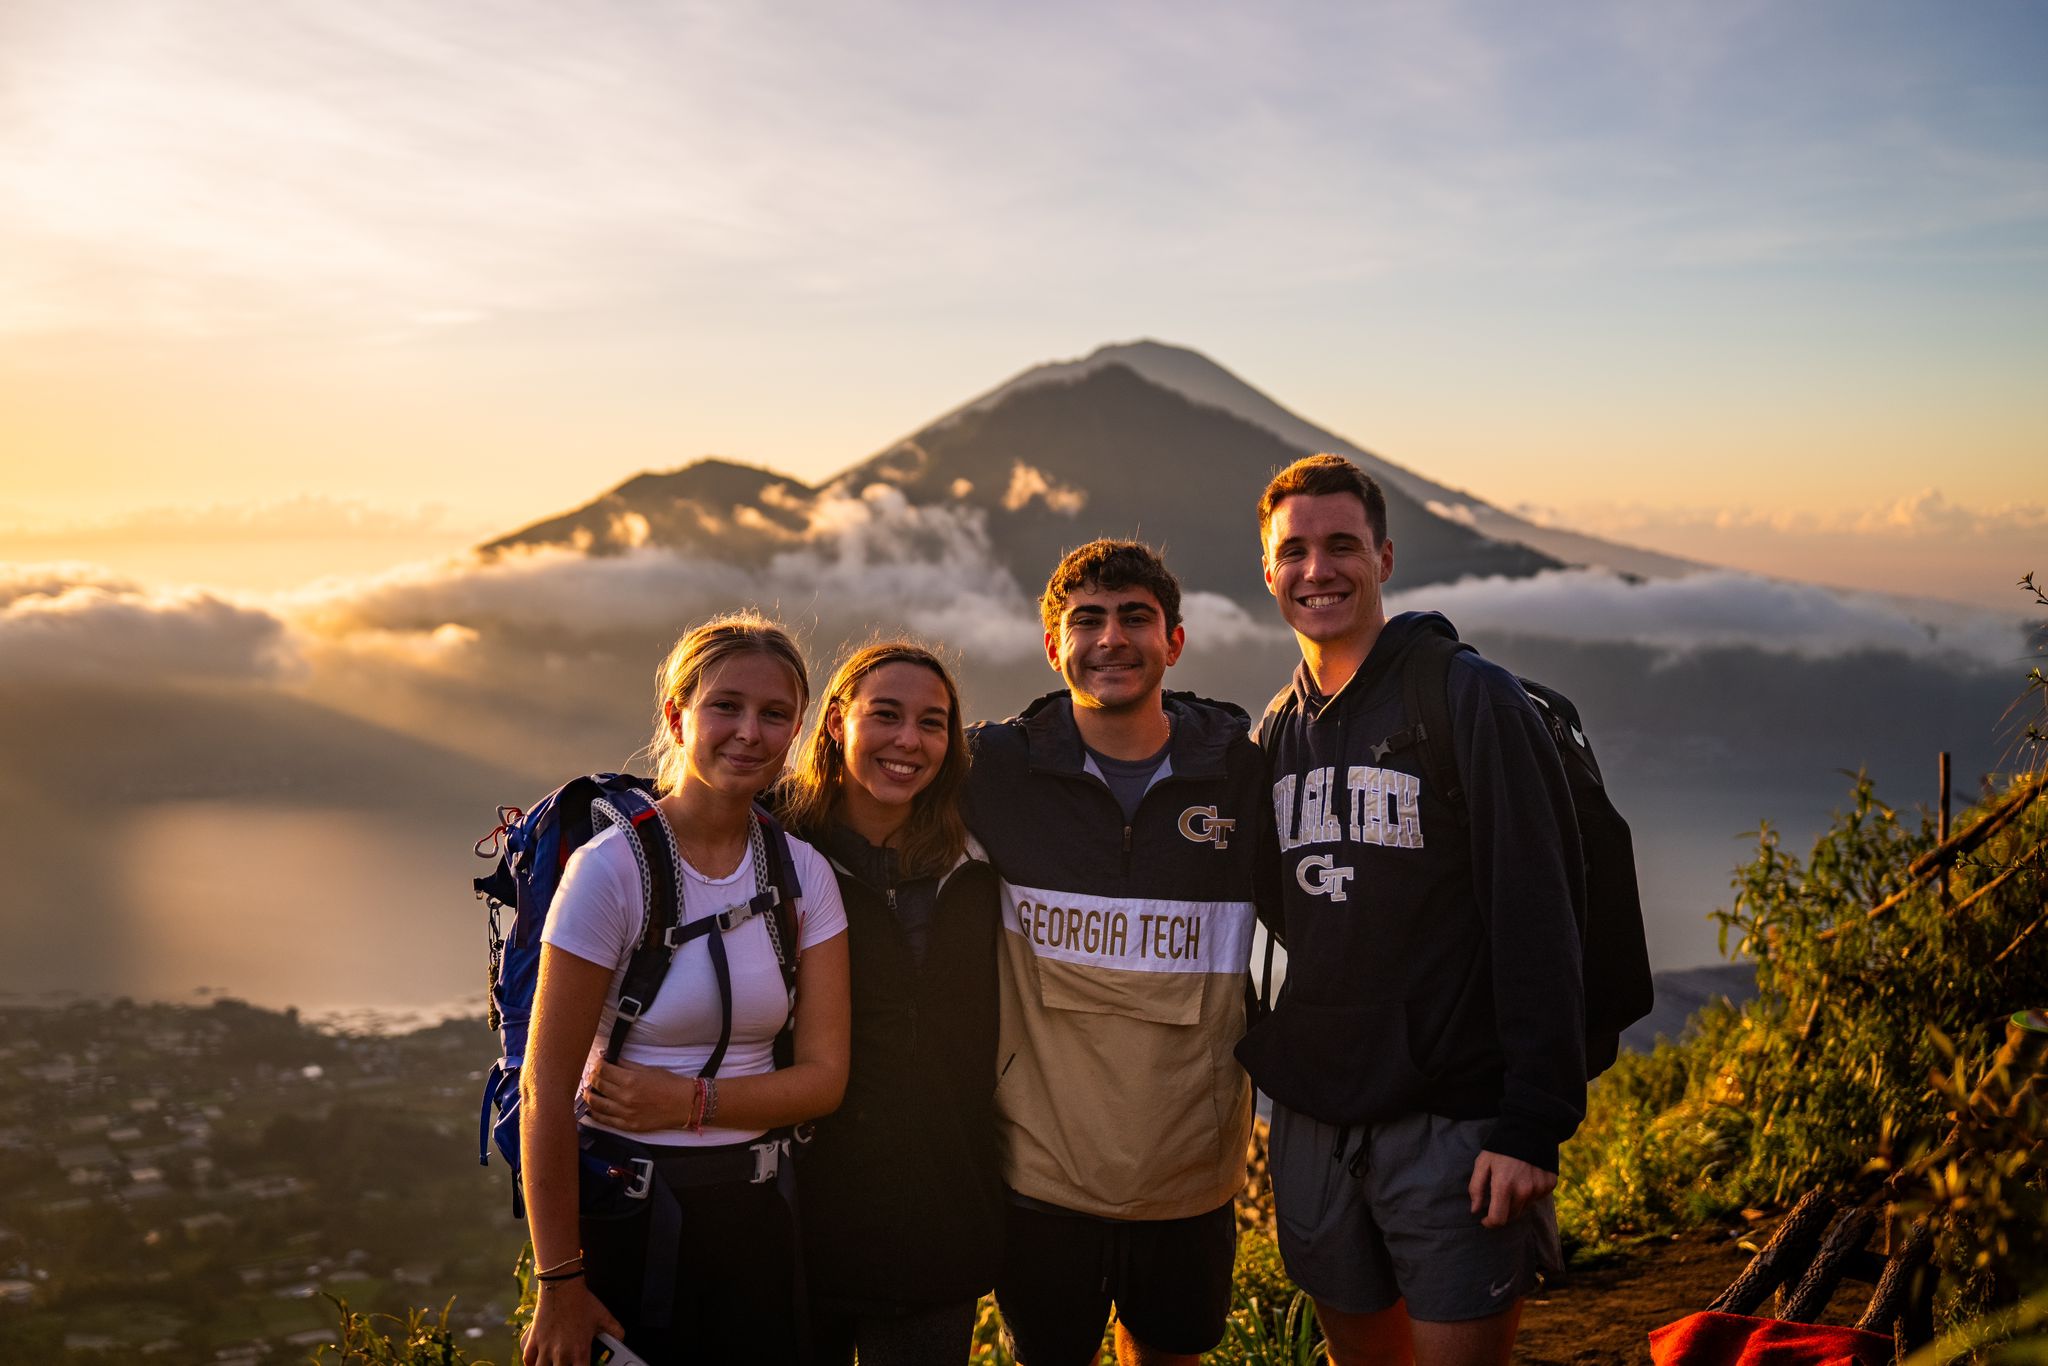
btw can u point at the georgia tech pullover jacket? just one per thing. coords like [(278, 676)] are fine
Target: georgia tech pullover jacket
[(1123, 959)]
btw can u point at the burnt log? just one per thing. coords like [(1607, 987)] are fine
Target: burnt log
[(1895, 1287), (1785, 1256), (1845, 1238)]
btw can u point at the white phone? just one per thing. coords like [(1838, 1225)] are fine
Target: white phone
[(609, 1351)]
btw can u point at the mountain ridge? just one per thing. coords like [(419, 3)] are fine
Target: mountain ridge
[(1043, 465), (1194, 374)]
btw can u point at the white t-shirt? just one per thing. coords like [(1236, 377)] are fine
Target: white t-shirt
[(598, 916)]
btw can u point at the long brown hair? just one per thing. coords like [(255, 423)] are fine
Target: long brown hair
[(934, 836), (700, 648)]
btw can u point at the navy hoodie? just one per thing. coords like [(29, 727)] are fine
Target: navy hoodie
[(1433, 951)]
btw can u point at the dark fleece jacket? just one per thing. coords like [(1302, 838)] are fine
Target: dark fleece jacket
[(901, 1188), (1433, 951)]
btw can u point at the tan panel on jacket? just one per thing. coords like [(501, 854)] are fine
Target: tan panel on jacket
[(1118, 1094)]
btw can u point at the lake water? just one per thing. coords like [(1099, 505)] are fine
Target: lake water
[(337, 911), (327, 910)]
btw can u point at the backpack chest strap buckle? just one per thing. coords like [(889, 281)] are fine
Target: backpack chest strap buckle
[(767, 1161), (1400, 739), (762, 903)]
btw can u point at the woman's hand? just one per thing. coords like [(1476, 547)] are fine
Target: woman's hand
[(637, 1098), (565, 1321)]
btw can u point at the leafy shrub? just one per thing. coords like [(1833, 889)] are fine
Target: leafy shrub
[(1867, 1063), (418, 1339)]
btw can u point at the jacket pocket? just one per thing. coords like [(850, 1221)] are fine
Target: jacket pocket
[(1168, 998)]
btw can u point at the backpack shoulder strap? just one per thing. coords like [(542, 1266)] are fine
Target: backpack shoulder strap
[(787, 890), (787, 893), (1277, 711), (647, 834), (1426, 698)]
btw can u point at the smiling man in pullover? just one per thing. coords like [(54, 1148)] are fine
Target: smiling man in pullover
[(1426, 1056), (1125, 824)]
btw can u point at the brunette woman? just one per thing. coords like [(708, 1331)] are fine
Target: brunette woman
[(732, 693), (901, 1188)]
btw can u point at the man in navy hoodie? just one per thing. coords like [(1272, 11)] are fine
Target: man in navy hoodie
[(1426, 1057)]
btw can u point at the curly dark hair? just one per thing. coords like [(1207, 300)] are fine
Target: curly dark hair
[(1108, 564)]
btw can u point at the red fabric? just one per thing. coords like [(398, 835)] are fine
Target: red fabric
[(1710, 1339)]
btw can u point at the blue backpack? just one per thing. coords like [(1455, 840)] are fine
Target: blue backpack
[(532, 848)]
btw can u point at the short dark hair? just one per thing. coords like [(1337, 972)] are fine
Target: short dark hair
[(1319, 474), (1110, 565)]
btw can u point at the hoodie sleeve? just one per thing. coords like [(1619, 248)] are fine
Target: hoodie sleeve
[(1530, 884)]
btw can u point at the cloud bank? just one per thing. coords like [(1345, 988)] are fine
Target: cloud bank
[(77, 622), (1922, 545), (863, 562), (1716, 610), (1925, 515)]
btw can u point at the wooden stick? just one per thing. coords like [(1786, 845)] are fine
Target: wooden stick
[(1888, 1301), (1934, 859), (1994, 820), (1784, 1257), (2020, 938), (2015, 866), (1941, 829), (1845, 1237)]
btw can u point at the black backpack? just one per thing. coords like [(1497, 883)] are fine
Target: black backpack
[(1614, 955)]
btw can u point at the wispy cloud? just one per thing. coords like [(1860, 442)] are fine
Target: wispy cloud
[(867, 560), (1925, 514), (1921, 545), (73, 621), (1716, 611), (213, 166)]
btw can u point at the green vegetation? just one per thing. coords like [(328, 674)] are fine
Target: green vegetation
[(418, 1339), (1872, 1062)]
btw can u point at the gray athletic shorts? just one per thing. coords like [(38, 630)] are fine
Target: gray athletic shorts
[(1402, 1228)]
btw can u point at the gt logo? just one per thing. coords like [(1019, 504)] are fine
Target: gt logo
[(1318, 875), (1202, 825)]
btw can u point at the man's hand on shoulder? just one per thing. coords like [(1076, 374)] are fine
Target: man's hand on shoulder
[(1502, 1187)]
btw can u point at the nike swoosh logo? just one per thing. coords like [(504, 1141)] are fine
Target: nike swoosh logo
[(1498, 1290)]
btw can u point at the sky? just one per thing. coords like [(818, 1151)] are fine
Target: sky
[(291, 288)]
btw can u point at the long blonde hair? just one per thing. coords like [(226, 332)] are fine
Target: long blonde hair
[(699, 648), (934, 836)]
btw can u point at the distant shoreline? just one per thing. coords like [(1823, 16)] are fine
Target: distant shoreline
[(375, 1021), (1680, 991)]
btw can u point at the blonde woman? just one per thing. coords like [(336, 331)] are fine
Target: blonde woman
[(722, 1244)]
